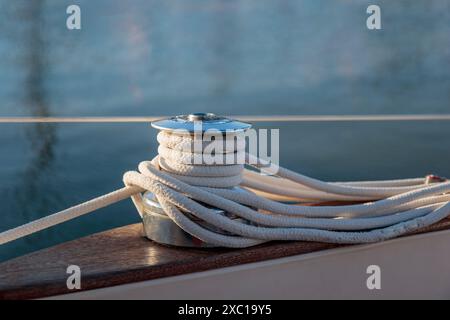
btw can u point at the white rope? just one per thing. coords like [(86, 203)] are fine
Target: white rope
[(388, 208)]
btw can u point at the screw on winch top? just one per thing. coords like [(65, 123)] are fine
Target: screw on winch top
[(209, 121)]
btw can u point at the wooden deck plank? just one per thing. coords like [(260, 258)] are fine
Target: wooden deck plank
[(123, 256)]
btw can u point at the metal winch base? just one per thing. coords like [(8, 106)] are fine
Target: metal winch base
[(160, 228)]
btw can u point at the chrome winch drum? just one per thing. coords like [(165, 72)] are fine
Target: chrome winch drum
[(157, 225), (160, 228)]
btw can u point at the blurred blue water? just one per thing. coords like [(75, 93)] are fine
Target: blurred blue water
[(230, 57)]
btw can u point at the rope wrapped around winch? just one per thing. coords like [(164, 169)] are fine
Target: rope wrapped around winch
[(403, 205), (387, 209)]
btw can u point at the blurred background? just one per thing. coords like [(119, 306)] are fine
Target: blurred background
[(248, 57)]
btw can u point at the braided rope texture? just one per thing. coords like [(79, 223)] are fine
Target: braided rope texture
[(182, 183)]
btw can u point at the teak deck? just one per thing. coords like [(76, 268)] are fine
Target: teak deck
[(123, 255)]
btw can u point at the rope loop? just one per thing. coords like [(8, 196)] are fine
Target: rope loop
[(387, 209), (183, 182)]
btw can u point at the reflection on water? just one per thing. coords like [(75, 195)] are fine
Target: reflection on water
[(41, 138), (143, 57)]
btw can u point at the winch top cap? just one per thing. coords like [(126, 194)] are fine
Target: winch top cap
[(208, 121)]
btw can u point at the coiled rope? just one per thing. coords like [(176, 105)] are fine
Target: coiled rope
[(387, 209)]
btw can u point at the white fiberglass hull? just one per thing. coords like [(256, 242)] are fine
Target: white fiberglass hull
[(415, 267)]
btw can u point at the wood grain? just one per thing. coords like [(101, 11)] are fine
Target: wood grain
[(123, 255)]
